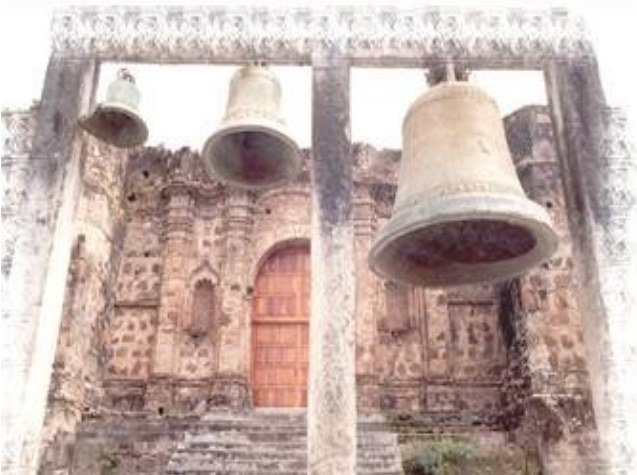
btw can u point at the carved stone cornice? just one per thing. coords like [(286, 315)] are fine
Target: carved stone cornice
[(292, 35)]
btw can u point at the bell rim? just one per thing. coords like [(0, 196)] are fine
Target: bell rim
[(140, 124), (253, 125), (529, 215)]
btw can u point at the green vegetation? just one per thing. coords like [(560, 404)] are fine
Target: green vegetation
[(449, 456), (438, 457), (108, 461)]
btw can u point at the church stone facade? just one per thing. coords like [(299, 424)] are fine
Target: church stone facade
[(186, 296)]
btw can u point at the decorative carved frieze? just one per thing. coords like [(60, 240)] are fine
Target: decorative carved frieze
[(191, 34), (18, 129)]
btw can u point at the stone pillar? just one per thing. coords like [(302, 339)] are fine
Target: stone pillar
[(600, 173), (545, 317), (32, 310), (177, 249), (233, 341), (332, 385)]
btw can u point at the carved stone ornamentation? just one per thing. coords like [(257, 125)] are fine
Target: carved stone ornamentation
[(291, 35), (19, 127)]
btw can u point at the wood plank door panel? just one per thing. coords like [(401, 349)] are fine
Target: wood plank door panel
[(280, 329)]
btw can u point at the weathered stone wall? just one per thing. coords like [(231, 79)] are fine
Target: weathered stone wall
[(547, 386), (417, 350), (42, 238), (153, 228), (132, 334), (172, 246), (76, 381), (434, 350), (470, 365)]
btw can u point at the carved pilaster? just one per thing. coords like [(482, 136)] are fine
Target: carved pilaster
[(437, 335), (366, 334), (239, 220), (177, 257)]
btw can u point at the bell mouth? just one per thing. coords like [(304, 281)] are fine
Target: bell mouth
[(252, 157), (464, 246), (116, 126), (474, 241)]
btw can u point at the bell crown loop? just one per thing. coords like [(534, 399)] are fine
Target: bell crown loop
[(125, 75)]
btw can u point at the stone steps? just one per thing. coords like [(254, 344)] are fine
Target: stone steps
[(276, 437), (265, 443), (273, 444), (260, 454), (206, 471)]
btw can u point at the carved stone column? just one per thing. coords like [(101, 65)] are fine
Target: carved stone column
[(600, 173), (233, 350), (366, 325), (32, 310), (177, 236), (332, 385)]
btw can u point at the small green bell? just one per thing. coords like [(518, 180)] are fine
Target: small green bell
[(117, 121)]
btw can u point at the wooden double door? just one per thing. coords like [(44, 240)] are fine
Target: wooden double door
[(280, 329)]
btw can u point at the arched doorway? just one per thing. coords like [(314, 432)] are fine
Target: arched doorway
[(280, 329)]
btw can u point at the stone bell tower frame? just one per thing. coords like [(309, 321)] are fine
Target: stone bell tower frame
[(598, 162)]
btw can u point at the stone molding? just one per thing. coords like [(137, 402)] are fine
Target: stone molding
[(290, 35)]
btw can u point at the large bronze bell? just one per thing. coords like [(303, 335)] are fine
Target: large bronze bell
[(460, 214), (252, 149), (117, 121)]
